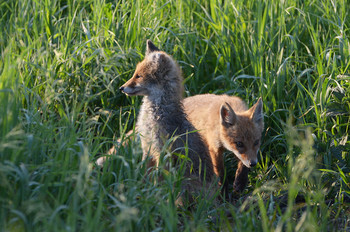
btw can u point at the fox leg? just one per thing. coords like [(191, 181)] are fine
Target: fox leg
[(219, 169), (131, 135), (218, 163), (241, 178), (151, 163)]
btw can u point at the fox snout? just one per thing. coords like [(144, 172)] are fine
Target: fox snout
[(128, 90), (123, 89), (132, 88), (252, 163), (249, 163)]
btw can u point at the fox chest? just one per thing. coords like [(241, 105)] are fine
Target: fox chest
[(151, 128)]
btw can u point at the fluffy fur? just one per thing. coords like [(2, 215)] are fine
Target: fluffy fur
[(159, 79)]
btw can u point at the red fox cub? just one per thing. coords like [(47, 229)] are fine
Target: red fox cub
[(159, 79), (225, 122)]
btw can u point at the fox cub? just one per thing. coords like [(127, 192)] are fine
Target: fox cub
[(159, 79), (225, 122)]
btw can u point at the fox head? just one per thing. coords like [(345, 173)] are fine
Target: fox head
[(241, 132), (156, 75)]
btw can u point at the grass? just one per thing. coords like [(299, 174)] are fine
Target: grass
[(60, 68)]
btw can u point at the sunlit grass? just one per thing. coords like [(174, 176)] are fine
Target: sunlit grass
[(60, 68)]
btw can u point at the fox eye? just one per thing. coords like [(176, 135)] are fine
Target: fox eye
[(137, 76), (239, 144), (256, 143)]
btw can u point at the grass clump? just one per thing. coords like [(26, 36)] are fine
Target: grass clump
[(60, 68)]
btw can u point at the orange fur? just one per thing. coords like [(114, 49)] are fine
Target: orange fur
[(225, 122)]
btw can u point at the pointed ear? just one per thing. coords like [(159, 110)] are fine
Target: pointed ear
[(257, 114), (227, 115), (151, 47)]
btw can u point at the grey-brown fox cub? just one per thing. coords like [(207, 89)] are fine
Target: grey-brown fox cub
[(159, 79)]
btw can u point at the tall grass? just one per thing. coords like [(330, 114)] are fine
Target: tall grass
[(60, 68)]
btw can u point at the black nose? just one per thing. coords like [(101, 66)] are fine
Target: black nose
[(253, 163), (121, 88)]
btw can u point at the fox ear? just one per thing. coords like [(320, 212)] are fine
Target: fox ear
[(151, 47), (227, 115), (257, 112)]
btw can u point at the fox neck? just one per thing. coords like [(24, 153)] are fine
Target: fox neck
[(163, 104), (165, 108)]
